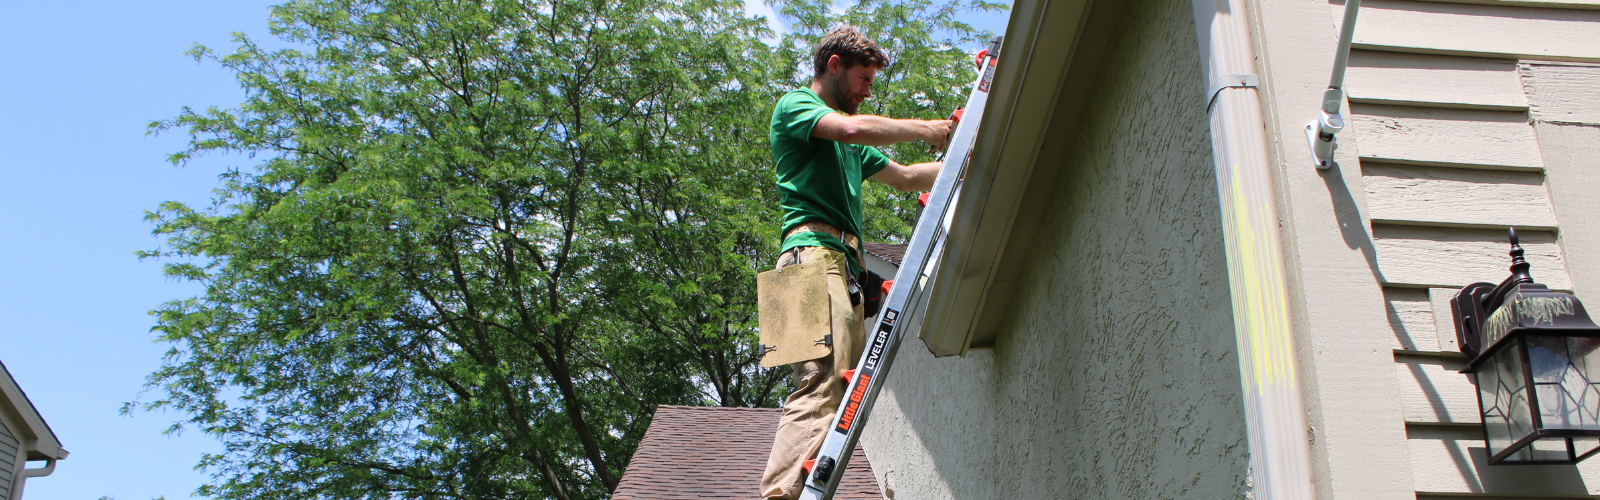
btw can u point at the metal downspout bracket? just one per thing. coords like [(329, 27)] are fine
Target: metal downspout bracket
[(1275, 422), (1228, 82)]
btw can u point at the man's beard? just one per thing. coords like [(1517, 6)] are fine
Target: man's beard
[(836, 90)]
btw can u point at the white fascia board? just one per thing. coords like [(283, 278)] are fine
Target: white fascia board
[(41, 442), (1040, 42)]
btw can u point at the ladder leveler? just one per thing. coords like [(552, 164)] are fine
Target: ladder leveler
[(903, 304)]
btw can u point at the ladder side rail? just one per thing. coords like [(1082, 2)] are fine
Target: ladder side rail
[(862, 390), (916, 310)]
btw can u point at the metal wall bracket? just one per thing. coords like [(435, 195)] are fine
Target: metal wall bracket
[(1322, 133), (1228, 81)]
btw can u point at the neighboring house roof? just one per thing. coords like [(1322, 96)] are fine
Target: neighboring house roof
[(707, 452), (891, 252), (40, 441)]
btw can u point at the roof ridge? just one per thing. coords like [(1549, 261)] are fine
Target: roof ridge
[(718, 408)]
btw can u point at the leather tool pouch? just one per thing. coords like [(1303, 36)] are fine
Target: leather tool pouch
[(795, 314), (874, 294)]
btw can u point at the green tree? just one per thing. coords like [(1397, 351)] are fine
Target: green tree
[(480, 241)]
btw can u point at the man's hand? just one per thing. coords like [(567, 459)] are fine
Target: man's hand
[(871, 130), (940, 133)]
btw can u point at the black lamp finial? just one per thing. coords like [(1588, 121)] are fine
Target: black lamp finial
[(1519, 267), (1519, 275)]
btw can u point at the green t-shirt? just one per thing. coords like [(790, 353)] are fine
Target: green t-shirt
[(818, 179)]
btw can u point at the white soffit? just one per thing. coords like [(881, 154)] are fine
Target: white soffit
[(1043, 40)]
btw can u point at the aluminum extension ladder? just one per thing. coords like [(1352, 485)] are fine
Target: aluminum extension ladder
[(905, 299)]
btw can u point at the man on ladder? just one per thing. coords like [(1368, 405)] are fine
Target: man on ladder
[(823, 151)]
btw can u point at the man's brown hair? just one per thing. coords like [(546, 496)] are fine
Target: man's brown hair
[(851, 46)]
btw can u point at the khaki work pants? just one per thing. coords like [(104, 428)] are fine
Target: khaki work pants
[(819, 383)]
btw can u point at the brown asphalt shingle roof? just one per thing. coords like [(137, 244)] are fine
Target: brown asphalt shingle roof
[(887, 251), (694, 452)]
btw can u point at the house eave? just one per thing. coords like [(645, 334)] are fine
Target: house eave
[(39, 441), (1048, 45)]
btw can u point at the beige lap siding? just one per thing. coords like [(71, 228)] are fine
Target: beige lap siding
[(1403, 194), (1449, 108), (1377, 77), (9, 463), (1432, 390), (1447, 459), (1411, 319), (1500, 31), (1464, 138), (1434, 256), (1562, 92)]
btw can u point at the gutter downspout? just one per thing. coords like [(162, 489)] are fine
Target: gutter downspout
[(21, 479), (1280, 458)]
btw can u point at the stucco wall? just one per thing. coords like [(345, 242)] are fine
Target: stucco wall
[(1115, 375)]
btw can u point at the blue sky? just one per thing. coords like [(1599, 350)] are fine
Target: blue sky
[(77, 172)]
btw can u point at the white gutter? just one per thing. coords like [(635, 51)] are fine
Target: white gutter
[(1041, 42), (1280, 458)]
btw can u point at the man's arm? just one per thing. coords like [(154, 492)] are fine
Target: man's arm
[(870, 130), (917, 177)]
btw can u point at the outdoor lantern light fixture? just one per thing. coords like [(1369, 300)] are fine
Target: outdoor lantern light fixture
[(1535, 356)]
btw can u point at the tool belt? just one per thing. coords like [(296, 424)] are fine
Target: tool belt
[(851, 241), (872, 291)]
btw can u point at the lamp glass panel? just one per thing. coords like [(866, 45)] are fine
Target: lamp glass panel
[(1583, 445), (1548, 450), (1504, 398), (1563, 378)]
